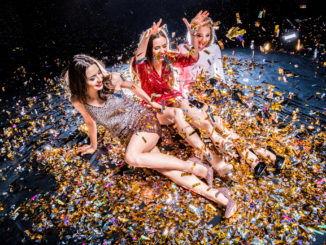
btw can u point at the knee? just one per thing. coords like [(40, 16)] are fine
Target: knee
[(178, 113), (205, 124), (132, 159)]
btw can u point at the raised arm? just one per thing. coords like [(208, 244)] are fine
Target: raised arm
[(193, 27), (142, 46), (92, 130)]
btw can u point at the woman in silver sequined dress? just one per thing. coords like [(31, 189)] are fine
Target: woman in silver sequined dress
[(97, 95)]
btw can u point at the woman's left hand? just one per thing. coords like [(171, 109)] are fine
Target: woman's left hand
[(197, 22), (156, 28)]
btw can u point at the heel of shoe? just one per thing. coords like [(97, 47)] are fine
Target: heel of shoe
[(260, 169), (279, 162), (210, 173), (231, 203)]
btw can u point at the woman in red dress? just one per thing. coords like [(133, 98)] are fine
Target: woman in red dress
[(153, 64)]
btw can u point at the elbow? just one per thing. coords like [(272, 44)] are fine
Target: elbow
[(90, 123)]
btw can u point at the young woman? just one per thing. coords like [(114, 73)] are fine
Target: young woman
[(209, 68), (97, 95), (152, 63)]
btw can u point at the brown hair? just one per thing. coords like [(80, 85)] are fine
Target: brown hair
[(75, 77), (149, 50)]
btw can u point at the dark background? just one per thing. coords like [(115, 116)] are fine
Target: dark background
[(34, 33), (38, 36)]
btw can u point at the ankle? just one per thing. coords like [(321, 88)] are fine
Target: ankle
[(220, 198)]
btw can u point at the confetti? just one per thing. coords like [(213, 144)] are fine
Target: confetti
[(117, 95), (195, 185), (140, 60)]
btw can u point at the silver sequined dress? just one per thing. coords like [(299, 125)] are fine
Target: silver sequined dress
[(122, 117)]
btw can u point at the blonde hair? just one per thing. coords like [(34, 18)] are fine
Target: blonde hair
[(210, 25)]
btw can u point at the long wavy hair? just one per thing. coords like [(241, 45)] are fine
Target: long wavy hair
[(148, 55), (75, 77), (149, 50)]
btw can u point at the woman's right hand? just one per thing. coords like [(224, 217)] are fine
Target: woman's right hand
[(86, 149), (156, 28)]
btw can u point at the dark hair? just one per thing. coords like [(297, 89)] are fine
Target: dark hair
[(149, 50), (76, 78)]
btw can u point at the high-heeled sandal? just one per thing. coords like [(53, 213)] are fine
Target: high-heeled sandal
[(279, 162), (231, 203), (260, 168), (210, 173)]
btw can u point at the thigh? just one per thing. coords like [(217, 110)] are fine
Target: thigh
[(167, 116), (141, 142), (193, 112)]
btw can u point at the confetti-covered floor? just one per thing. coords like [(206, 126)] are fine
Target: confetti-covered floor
[(50, 194)]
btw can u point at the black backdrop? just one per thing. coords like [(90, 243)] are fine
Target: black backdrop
[(42, 30)]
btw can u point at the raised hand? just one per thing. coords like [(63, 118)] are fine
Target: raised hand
[(197, 22), (156, 28)]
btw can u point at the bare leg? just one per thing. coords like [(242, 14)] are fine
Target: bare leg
[(139, 154), (249, 156), (266, 154), (219, 125), (175, 115), (196, 185), (201, 120)]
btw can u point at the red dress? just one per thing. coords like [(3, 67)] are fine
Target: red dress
[(157, 86)]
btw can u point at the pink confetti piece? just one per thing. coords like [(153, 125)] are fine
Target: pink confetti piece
[(320, 181), (33, 197), (108, 184), (286, 217)]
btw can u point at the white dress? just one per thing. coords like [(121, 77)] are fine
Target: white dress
[(210, 62)]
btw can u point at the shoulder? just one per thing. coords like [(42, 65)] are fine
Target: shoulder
[(76, 102), (215, 47), (182, 49), (115, 76)]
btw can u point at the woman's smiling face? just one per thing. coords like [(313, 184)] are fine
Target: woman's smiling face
[(203, 36), (159, 48), (94, 77)]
